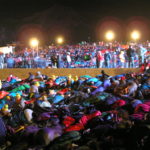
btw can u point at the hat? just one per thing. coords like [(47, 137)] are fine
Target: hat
[(28, 114), (8, 97), (37, 83), (6, 106), (18, 95)]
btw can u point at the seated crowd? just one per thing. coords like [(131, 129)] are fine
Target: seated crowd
[(75, 113)]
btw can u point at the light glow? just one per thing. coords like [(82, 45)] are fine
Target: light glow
[(34, 42), (60, 40), (110, 35), (135, 35)]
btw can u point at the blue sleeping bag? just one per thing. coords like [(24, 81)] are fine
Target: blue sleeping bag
[(85, 76), (98, 76), (145, 86), (57, 99), (13, 81), (2, 103), (60, 80), (92, 80), (97, 84), (13, 94)]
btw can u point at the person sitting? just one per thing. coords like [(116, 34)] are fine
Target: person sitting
[(31, 77), (39, 76)]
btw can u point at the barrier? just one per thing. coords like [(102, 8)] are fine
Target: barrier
[(23, 73)]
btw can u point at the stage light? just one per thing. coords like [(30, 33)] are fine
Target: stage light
[(135, 35), (110, 35), (60, 40), (34, 42)]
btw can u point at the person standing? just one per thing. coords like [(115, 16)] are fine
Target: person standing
[(114, 59), (142, 51), (1, 61), (100, 59), (59, 61), (126, 59), (29, 62), (68, 57), (130, 54), (107, 58), (122, 59), (10, 62), (54, 60)]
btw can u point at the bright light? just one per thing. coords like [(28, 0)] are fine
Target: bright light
[(110, 35), (34, 42), (60, 40), (135, 35)]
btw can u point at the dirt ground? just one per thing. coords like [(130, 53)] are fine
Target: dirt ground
[(23, 73)]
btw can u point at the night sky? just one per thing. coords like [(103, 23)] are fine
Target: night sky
[(90, 17), (119, 8)]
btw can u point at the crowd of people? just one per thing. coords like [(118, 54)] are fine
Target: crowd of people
[(75, 113), (95, 55)]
